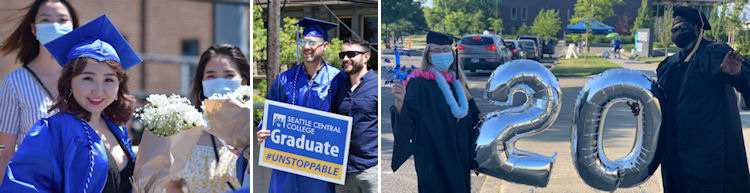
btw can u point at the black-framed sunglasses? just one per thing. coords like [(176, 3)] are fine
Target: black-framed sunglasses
[(350, 54)]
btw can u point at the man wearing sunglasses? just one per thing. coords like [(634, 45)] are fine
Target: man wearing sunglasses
[(360, 101), (701, 143)]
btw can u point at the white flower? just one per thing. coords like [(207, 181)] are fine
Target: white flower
[(165, 116)]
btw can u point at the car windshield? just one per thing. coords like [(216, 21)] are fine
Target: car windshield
[(527, 38), (476, 40), (526, 43)]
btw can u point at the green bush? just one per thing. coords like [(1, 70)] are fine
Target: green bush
[(262, 89)]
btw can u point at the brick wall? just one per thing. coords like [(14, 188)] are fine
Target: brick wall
[(168, 22)]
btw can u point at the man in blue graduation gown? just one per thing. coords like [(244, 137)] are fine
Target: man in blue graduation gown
[(314, 84), (701, 139)]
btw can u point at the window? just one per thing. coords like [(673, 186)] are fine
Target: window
[(370, 28), (343, 32), (513, 13), (187, 71), (523, 14)]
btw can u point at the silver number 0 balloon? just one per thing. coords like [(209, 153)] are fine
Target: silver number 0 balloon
[(594, 101), (499, 130)]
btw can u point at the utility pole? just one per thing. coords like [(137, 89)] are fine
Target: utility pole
[(274, 25)]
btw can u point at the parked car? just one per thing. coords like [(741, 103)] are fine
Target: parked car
[(531, 50), (516, 49), (549, 48), (482, 52), (537, 43)]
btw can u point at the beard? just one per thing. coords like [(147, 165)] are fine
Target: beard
[(312, 57), (356, 67)]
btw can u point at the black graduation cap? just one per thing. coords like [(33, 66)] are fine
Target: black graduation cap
[(98, 39), (691, 15), (439, 38)]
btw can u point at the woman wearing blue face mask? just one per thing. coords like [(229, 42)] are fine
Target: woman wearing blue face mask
[(27, 92), (433, 119), (211, 165)]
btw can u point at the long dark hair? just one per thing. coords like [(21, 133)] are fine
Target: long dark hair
[(119, 112), (231, 51), (23, 39)]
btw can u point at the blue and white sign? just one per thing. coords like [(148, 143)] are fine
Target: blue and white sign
[(305, 141)]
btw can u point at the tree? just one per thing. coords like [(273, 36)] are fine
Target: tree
[(593, 9), (588, 10), (259, 38), (644, 19), (460, 17), (401, 17), (546, 24), (496, 24), (523, 30), (663, 28)]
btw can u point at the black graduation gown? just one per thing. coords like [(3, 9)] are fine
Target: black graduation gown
[(701, 140), (443, 146)]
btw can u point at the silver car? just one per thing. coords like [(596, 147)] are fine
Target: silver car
[(482, 52), (531, 50)]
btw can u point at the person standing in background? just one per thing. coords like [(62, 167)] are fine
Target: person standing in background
[(28, 92)]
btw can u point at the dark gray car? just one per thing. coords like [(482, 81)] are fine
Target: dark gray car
[(482, 52), (515, 47)]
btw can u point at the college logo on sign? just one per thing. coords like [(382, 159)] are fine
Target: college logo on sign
[(305, 141), (279, 120)]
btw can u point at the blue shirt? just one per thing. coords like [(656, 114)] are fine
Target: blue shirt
[(295, 87), (362, 105), (617, 43), (62, 154)]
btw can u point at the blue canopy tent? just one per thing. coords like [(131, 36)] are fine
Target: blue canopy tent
[(595, 26)]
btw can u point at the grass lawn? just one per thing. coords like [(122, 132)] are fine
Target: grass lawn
[(651, 60), (577, 66)]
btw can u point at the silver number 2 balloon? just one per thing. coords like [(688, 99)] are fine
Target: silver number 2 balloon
[(499, 130), (593, 103)]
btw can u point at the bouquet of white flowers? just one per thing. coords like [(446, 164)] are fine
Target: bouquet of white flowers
[(165, 116), (228, 116), (172, 128)]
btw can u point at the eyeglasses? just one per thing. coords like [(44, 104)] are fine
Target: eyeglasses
[(682, 27), (311, 43), (350, 54)]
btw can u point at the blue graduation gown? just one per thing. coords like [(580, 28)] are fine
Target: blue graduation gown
[(318, 94), (57, 156)]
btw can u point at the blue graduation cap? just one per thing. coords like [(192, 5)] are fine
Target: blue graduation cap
[(313, 28), (98, 39)]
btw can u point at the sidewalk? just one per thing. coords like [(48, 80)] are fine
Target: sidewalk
[(649, 69)]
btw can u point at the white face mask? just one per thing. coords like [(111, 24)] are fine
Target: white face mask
[(46, 32), (220, 86), (442, 61)]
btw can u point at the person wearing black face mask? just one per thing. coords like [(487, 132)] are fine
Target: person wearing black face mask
[(701, 144)]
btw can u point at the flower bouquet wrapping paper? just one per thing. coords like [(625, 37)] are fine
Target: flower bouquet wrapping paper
[(173, 127)]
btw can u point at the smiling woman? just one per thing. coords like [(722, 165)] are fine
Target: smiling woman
[(85, 141)]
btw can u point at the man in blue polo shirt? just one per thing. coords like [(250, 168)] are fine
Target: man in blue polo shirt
[(360, 101)]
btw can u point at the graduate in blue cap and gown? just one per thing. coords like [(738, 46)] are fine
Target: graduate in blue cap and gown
[(312, 84), (84, 147)]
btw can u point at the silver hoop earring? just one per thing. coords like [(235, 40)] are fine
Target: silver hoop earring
[(70, 94)]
